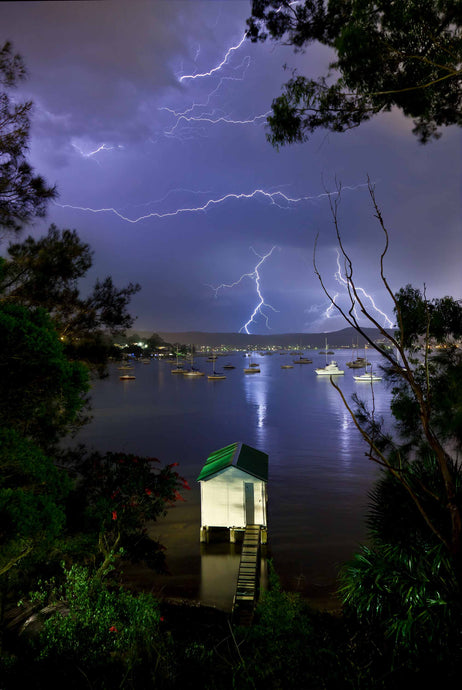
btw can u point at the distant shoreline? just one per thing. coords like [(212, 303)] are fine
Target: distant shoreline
[(347, 337)]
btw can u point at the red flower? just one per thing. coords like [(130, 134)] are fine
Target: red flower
[(114, 514), (161, 619), (113, 629), (148, 492)]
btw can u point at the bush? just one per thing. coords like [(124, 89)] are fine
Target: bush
[(101, 634)]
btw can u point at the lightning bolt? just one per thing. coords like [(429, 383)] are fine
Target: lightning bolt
[(218, 67), (90, 154), (253, 275), (328, 313), (345, 282), (171, 192), (224, 119), (244, 66), (276, 198)]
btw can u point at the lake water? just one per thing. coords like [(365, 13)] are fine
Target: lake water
[(319, 477)]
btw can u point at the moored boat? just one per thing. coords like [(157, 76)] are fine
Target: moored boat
[(368, 376), (330, 369)]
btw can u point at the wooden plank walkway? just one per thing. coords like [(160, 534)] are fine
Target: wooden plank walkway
[(248, 579)]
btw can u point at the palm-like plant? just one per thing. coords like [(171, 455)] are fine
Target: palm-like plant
[(403, 587)]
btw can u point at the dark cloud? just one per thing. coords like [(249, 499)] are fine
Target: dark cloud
[(117, 129)]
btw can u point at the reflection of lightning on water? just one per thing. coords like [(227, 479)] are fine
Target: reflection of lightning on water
[(345, 282), (254, 275), (277, 198)]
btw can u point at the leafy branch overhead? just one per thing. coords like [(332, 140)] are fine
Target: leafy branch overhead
[(23, 194), (405, 55)]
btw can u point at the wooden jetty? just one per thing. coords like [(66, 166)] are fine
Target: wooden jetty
[(248, 579)]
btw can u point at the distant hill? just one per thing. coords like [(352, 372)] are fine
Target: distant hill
[(346, 337)]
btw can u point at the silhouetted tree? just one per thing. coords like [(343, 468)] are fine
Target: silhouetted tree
[(46, 273), (403, 54), (417, 379), (23, 194)]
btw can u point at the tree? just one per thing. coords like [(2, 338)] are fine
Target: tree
[(434, 324), (116, 495), (402, 587), (403, 54), (405, 586), (42, 393), (23, 195), (46, 272), (32, 495), (155, 341), (417, 376)]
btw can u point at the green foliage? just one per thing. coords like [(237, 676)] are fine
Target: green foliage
[(441, 316), (403, 54), (42, 393), (32, 494), (46, 272), (290, 646), (411, 598), (438, 323), (23, 195), (116, 495), (393, 518), (100, 634), (405, 587)]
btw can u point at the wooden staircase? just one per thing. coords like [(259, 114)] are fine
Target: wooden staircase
[(248, 579)]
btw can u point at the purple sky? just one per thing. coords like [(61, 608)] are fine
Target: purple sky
[(120, 132)]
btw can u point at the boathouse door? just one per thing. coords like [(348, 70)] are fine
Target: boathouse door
[(249, 504)]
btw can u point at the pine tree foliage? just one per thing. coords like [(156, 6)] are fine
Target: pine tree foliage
[(23, 194)]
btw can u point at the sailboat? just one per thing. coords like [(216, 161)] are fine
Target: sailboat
[(358, 362), (253, 368), (178, 369), (193, 373), (330, 369), (303, 360), (215, 375)]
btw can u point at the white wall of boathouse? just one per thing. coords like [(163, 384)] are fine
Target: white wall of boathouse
[(226, 501)]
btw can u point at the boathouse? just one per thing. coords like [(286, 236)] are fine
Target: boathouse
[(234, 490)]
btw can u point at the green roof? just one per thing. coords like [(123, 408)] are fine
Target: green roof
[(238, 455)]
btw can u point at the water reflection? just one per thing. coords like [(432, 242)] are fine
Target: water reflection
[(219, 571), (318, 475), (256, 393), (347, 431)]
